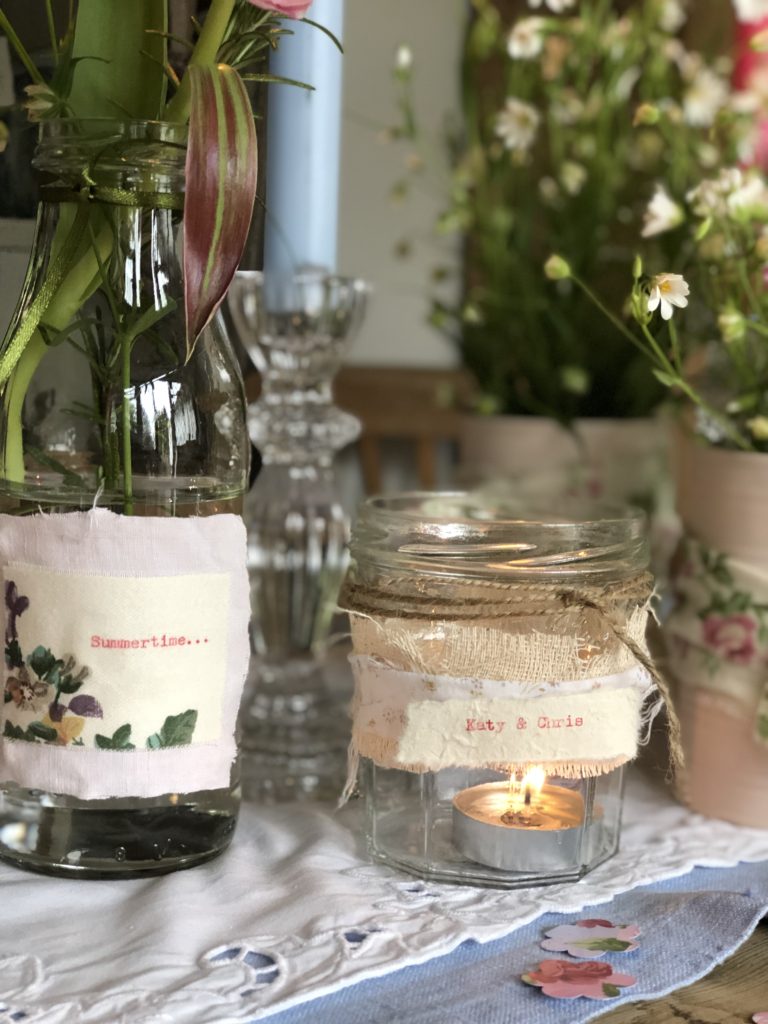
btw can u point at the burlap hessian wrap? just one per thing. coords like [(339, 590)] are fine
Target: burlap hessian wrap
[(455, 672)]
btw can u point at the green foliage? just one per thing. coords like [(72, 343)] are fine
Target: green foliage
[(42, 732), (128, 79), (15, 732), (564, 169), (177, 731), (113, 64), (716, 565), (13, 656), (42, 662), (119, 740)]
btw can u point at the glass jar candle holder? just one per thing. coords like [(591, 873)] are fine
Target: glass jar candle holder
[(469, 826), (501, 682)]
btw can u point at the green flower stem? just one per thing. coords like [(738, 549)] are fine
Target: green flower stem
[(658, 353), (655, 352), (52, 29), (693, 396), (206, 48), (676, 352), (75, 289), (749, 291), (12, 455), (620, 326), (757, 327), (126, 346)]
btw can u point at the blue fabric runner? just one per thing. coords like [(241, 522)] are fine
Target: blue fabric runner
[(689, 925)]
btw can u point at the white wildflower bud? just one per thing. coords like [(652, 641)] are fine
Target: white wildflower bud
[(758, 427), (732, 324), (403, 58), (557, 269)]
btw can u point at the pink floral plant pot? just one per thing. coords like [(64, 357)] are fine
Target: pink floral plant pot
[(717, 632)]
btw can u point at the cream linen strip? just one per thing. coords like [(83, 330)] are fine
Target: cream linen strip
[(422, 723)]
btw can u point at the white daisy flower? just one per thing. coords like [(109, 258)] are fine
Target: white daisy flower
[(568, 108), (403, 58), (710, 197), (751, 10), (704, 98), (549, 190), (558, 6), (526, 39), (626, 83), (573, 177), (673, 16), (745, 101), (750, 200), (517, 124), (687, 63), (666, 292), (662, 214)]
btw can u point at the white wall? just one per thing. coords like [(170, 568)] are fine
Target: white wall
[(395, 331)]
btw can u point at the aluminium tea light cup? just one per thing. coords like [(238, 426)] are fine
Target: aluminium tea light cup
[(530, 827)]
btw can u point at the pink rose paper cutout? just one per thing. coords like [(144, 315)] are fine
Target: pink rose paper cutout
[(564, 979), (760, 1018), (591, 938)]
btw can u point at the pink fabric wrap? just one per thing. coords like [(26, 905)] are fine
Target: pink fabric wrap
[(106, 547)]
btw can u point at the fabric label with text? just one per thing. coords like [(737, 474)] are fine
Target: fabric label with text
[(123, 684)]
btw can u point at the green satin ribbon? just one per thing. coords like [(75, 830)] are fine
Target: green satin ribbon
[(113, 196), (64, 262)]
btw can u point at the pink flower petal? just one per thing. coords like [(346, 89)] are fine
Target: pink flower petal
[(760, 1018), (289, 8)]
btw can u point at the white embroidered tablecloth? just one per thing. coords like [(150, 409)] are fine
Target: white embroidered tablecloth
[(293, 911)]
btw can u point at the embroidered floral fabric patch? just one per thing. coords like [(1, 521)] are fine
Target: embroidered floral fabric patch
[(51, 698)]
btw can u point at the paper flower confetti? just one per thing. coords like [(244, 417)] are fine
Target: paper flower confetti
[(591, 938), (564, 979)]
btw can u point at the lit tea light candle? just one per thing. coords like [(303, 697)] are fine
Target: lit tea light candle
[(524, 824)]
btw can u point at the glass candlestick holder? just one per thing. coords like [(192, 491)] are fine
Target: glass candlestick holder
[(294, 730)]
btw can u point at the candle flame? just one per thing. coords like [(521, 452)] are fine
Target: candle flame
[(525, 790)]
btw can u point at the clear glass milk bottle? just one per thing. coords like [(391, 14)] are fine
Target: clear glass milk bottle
[(123, 462)]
